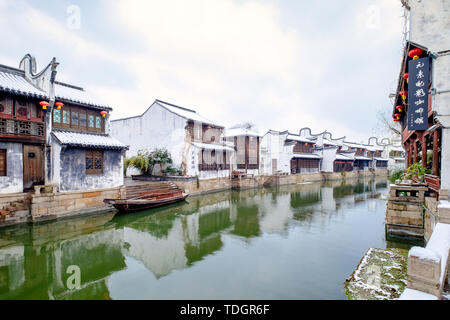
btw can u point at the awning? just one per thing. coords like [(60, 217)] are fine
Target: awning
[(88, 140), (210, 146)]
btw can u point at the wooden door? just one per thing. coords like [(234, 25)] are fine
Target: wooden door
[(33, 165)]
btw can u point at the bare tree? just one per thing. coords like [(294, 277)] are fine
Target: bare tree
[(385, 126)]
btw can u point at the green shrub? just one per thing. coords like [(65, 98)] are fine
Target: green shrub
[(395, 175)]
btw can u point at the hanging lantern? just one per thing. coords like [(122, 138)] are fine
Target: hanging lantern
[(103, 113), (406, 77), (59, 105), (396, 120), (399, 108), (44, 105), (306, 143), (404, 94), (397, 115), (415, 53)]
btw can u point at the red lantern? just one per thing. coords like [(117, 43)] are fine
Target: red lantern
[(398, 115), (404, 94), (44, 105), (396, 120), (406, 77), (59, 105), (399, 108), (103, 113), (415, 53)]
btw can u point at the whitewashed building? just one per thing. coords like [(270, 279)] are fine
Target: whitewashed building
[(53, 133), (247, 143), (195, 143), (285, 152)]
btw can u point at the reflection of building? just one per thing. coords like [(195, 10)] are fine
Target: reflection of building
[(39, 269)]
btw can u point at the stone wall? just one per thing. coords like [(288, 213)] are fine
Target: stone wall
[(196, 187), (48, 206), (13, 181), (14, 208), (73, 168)]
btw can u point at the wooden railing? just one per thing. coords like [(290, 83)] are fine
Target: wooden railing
[(433, 182), (12, 127)]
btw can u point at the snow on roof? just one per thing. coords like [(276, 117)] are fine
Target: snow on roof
[(411, 294), (14, 82), (306, 156), (380, 159), (210, 146), (373, 148), (362, 158), (75, 94), (88, 140), (340, 156), (354, 145), (235, 132), (298, 138), (328, 141), (185, 113)]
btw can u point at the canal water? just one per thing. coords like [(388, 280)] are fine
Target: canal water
[(291, 242)]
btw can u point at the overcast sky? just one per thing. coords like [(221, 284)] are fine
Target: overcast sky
[(282, 65)]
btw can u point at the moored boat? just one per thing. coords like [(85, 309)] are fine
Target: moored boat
[(132, 205)]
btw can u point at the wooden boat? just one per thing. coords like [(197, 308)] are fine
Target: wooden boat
[(148, 196), (132, 205)]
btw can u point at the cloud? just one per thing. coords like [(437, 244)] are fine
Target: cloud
[(232, 61)]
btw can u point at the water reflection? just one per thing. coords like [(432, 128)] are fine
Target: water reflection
[(297, 242)]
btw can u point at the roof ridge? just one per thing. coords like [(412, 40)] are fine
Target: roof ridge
[(174, 105)]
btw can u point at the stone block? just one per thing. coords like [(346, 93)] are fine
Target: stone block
[(424, 275), (91, 194)]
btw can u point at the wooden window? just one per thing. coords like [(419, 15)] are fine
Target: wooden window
[(83, 120), (302, 147), (56, 116), (74, 119), (98, 123), (91, 121), (3, 171), (94, 162), (66, 118)]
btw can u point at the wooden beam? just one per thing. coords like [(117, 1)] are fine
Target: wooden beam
[(424, 151), (435, 163)]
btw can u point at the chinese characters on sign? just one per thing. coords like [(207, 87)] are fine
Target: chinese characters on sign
[(419, 74)]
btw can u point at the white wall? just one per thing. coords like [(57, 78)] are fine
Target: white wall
[(156, 128), (13, 181), (430, 27)]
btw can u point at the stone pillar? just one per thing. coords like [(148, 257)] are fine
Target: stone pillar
[(435, 170)]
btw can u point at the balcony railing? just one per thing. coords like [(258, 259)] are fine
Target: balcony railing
[(12, 127), (433, 182), (213, 167)]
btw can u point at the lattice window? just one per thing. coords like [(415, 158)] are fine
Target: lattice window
[(6, 105), (94, 162)]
